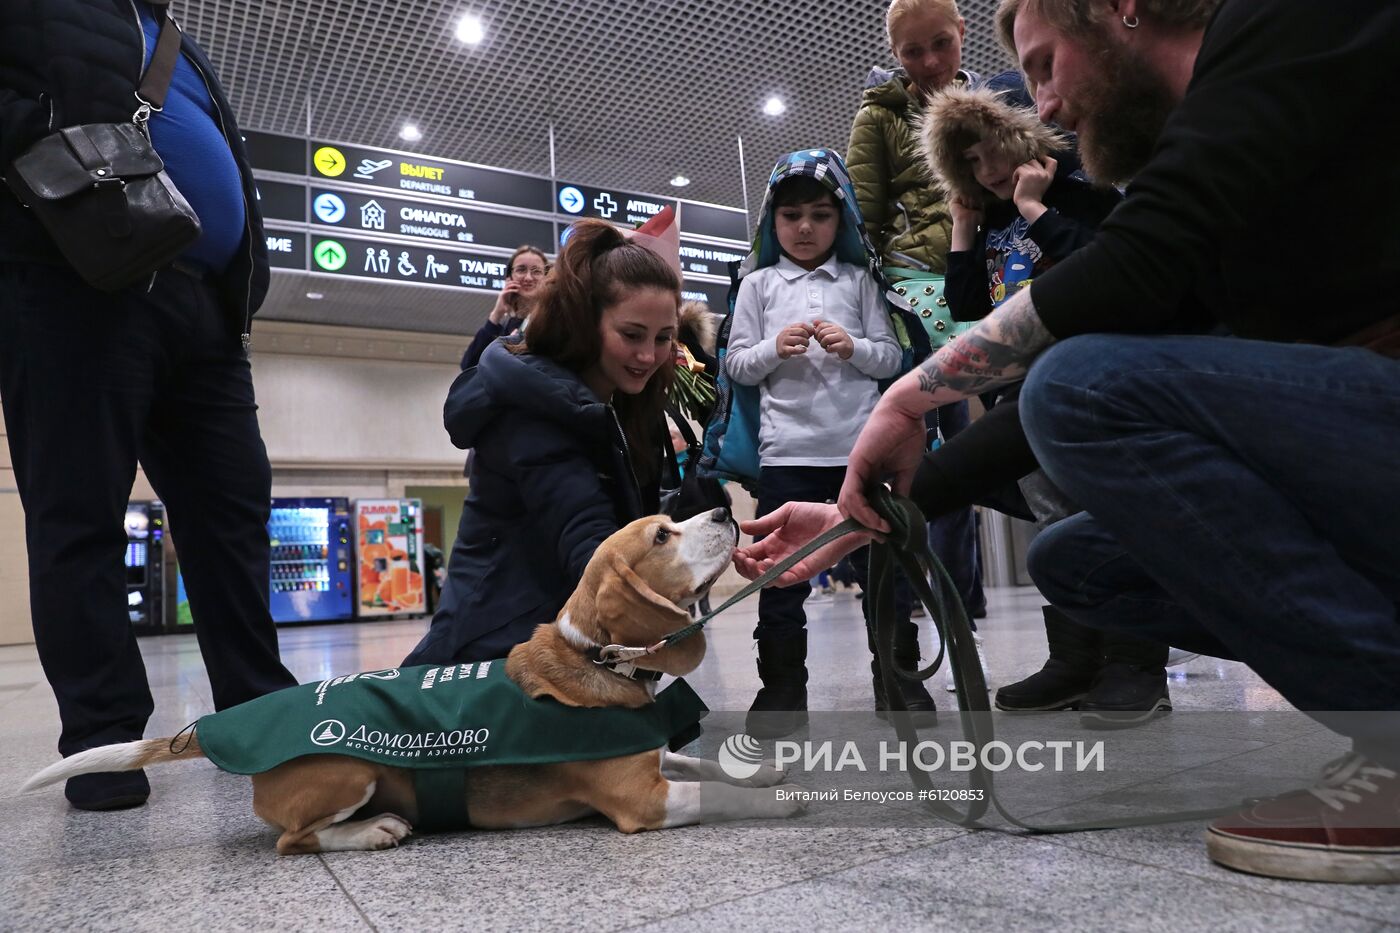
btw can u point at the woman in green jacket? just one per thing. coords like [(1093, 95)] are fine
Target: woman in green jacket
[(905, 213), (908, 218)]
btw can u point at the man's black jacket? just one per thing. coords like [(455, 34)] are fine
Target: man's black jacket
[(69, 62)]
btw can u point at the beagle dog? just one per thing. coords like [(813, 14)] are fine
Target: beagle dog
[(636, 590)]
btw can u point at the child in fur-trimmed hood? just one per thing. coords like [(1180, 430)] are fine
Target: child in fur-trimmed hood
[(1020, 202), (1017, 209)]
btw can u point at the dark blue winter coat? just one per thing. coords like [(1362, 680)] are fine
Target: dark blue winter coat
[(550, 479)]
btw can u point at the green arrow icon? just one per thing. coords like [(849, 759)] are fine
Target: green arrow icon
[(329, 255)]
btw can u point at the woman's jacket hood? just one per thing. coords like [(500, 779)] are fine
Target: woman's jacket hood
[(889, 88), (504, 382), (959, 117)]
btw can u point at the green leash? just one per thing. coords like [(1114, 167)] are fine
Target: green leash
[(907, 547)]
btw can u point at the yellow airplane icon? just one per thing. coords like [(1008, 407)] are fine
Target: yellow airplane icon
[(329, 161)]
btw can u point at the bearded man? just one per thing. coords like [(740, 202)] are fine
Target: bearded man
[(1240, 491)]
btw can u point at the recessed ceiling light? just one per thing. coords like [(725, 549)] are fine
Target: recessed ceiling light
[(315, 296), (470, 29), (410, 133), (680, 181), (774, 106)]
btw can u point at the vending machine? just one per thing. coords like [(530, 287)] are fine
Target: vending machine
[(389, 552), (312, 580), (145, 565)]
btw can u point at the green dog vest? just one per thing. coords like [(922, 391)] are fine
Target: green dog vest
[(440, 722)]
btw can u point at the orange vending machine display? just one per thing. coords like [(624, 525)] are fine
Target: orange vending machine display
[(389, 547)]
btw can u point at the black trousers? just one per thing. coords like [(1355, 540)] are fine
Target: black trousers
[(92, 383)]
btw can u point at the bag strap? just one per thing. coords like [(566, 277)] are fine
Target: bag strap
[(156, 81), (683, 426), (669, 455)]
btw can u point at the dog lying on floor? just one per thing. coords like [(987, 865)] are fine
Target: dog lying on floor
[(636, 589)]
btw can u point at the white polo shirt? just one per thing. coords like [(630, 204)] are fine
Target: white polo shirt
[(813, 404)]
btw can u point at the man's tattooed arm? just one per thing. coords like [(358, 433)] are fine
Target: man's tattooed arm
[(999, 350)]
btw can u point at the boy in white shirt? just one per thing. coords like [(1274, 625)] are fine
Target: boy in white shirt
[(814, 334)]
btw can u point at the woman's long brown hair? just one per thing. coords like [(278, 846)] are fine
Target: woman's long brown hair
[(596, 268)]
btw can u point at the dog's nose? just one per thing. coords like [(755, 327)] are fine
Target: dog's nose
[(719, 516)]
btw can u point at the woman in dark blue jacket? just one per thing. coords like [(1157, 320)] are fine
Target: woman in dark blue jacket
[(566, 424)]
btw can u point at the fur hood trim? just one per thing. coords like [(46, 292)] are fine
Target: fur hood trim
[(697, 319), (959, 117)]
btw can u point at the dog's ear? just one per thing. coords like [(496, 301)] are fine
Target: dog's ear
[(623, 595)]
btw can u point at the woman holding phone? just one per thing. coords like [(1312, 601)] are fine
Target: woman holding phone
[(524, 275)]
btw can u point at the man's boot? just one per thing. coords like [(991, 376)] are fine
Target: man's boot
[(906, 654), (781, 705), (1131, 688), (1065, 680)]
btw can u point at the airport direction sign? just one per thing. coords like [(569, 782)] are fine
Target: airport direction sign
[(714, 294), (273, 152), (286, 249), (626, 209), (414, 174), (723, 223), (392, 261), (280, 200), (411, 174), (707, 258), (369, 213)]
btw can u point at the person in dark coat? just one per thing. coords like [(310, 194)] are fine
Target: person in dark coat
[(94, 382), (566, 424)]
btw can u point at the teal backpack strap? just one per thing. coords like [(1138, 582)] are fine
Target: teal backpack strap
[(442, 799)]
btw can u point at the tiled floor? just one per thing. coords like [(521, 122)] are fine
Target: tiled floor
[(196, 858)]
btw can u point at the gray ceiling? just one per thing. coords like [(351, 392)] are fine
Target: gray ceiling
[(638, 91)]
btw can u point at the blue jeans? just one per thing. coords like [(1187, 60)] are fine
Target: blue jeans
[(1245, 502)]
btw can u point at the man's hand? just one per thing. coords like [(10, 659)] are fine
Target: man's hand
[(833, 338), (793, 339), (786, 530), (891, 443)]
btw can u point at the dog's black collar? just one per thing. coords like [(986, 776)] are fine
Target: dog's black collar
[(629, 670)]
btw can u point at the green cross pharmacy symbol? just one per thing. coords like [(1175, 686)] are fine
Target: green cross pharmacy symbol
[(329, 255)]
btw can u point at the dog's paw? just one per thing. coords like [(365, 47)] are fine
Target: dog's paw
[(386, 831), (768, 775)]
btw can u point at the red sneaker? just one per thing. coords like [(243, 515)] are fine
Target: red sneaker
[(1345, 828)]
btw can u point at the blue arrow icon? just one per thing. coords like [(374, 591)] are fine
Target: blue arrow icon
[(329, 208), (571, 199)]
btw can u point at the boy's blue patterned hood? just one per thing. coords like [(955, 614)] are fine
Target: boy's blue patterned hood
[(853, 244)]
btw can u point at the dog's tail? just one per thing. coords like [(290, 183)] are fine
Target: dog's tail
[(126, 756)]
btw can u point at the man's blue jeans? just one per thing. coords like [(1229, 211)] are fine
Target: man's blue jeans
[(1245, 502)]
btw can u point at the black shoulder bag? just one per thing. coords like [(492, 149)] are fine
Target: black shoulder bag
[(101, 191), (694, 493)]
